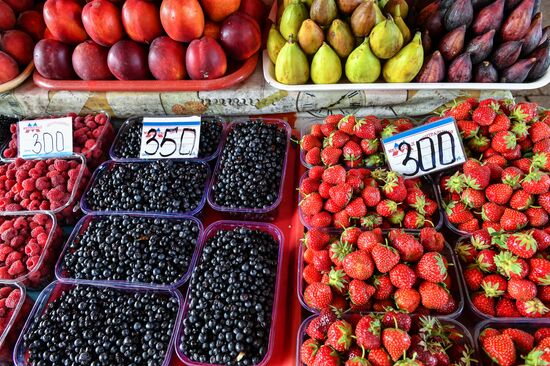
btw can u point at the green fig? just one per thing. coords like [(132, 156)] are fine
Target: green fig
[(274, 43), (323, 12), (405, 31), (291, 21), (341, 39), (362, 65), (326, 67), (310, 37), (397, 8), (292, 66), (403, 67), (386, 39)]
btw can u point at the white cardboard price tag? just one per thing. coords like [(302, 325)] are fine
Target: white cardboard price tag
[(425, 149), (170, 137), (42, 138)]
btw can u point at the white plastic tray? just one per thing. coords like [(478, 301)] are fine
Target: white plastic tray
[(269, 75)]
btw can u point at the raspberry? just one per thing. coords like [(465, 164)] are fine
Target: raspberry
[(4, 292), (13, 128), (6, 225), (34, 206), (8, 234), (16, 268), (41, 219), (42, 239), (35, 196), (97, 132), (44, 205), (12, 257), (100, 118), (4, 275), (9, 184), (58, 181), (55, 195), (24, 194), (32, 262), (28, 184), (20, 223), (21, 175), (32, 249), (90, 143), (19, 162), (13, 207), (5, 250), (13, 299), (37, 231), (61, 165), (42, 183), (91, 124), (17, 241)]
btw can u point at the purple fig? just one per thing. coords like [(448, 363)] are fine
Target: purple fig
[(427, 12), (517, 24), (478, 4), (460, 70), (545, 34), (507, 54), (485, 72), (511, 4), (533, 36), (481, 46), (434, 24), (445, 5), (426, 42), (518, 72), (433, 70), (490, 17), (452, 43), (461, 12), (542, 54)]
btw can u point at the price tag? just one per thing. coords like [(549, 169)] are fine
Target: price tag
[(170, 137), (425, 149), (45, 137)]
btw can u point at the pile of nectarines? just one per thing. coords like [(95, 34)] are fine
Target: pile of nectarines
[(147, 39)]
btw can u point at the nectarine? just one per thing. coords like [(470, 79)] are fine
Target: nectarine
[(7, 17), (218, 10), (19, 6), (167, 59), (205, 59), (212, 30), (240, 36), (8, 68), (90, 61), (127, 60), (141, 20), (63, 19), (32, 22), (183, 20), (256, 9), (102, 22), (52, 59), (18, 45)]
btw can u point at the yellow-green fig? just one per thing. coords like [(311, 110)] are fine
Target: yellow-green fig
[(291, 21), (341, 39), (403, 67), (397, 8), (292, 66), (386, 39), (362, 65), (363, 19), (323, 12), (310, 37), (405, 31), (348, 6), (274, 43), (326, 67)]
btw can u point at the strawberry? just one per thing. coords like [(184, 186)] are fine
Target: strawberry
[(368, 239), (324, 190), (457, 212), (484, 115), (488, 332), (352, 152), (367, 332), (355, 182), (512, 176), (544, 201), (357, 361), (347, 124), (414, 220), (311, 275), (473, 198), (318, 327), (433, 295), (386, 208), (313, 157), (328, 156), (336, 139), (524, 111), (500, 349), (504, 141), (384, 288), (460, 111), (539, 131), (522, 244), (356, 208), (350, 235), (542, 238), (492, 212), (402, 276), (541, 333), (308, 350), (510, 266), (536, 183), (409, 248), (316, 239), (513, 220), (524, 341), (467, 128), (396, 342), (339, 335), (384, 257), (370, 146), (371, 196), (473, 278), (365, 129), (542, 146), (309, 186), (506, 308), (379, 357), (479, 143), (499, 193), (341, 219), (407, 299), (308, 142), (311, 204), (494, 285), (360, 292), (486, 260), (432, 267), (318, 296), (431, 239), (500, 123), (532, 309), (339, 250), (326, 356), (316, 131), (322, 261), (341, 194), (523, 290), (521, 200), (358, 265), (540, 271), (483, 303), (335, 175), (333, 119), (398, 319), (395, 190), (524, 164)]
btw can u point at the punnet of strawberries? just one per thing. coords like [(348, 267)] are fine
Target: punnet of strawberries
[(507, 274), (390, 338), (510, 345), (372, 271), (349, 140), (339, 198)]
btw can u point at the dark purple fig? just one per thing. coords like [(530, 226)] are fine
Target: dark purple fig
[(478, 4), (506, 54), (518, 72), (511, 4), (445, 5), (533, 36), (426, 42), (452, 43), (434, 24), (545, 34), (427, 12), (485, 72), (490, 17), (542, 54), (460, 70), (481, 46), (517, 24), (433, 70), (461, 12)]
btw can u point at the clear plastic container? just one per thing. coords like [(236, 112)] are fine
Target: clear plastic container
[(85, 206), (457, 291), (54, 291), (62, 274), (268, 213), (9, 336), (210, 232), (130, 122)]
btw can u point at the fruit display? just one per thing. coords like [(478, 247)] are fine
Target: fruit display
[(145, 40), (483, 41), (158, 186), (229, 318), (337, 198), (119, 326), (15, 306), (389, 338), (349, 140), (128, 141), (164, 247), (506, 275), (92, 137), (21, 26)]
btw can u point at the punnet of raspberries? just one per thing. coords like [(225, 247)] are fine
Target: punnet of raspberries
[(350, 141), (92, 136), (340, 198), (507, 274), (15, 306), (371, 271), (508, 345), (389, 338)]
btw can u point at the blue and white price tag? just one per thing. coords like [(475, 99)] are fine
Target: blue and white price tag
[(42, 138), (170, 137), (425, 149)]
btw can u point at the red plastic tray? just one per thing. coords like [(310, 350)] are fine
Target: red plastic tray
[(225, 82)]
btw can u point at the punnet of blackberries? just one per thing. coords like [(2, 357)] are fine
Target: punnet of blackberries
[(132, 248), (231, 299), (157, 186), (90, 325), (129, 142), (251, 166)]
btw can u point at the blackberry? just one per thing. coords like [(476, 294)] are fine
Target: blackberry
[(157, 186), (231, 298), (133, 249), (211, 132), (90, 325), (251, 166)]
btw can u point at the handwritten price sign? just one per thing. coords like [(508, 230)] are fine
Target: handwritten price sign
[(45, 138), (170, 137)]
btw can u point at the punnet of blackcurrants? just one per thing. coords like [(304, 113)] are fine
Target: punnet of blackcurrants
[(131, 249), (159, 186), (128, 141), (231, 297)]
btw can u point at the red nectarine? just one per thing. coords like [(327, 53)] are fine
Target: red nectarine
[(32, 22), (90, 61), (256, 9), (127, 60), (52, 59), (18, 45), (141, 20), (8, 68), (7, 17), (63, 19), (183, 20), (102, 22), (218, 10), (167, 59), (205, 59), (19, 6), (240, 36)]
